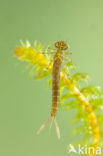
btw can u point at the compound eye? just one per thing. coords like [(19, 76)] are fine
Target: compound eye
[(56, 44)]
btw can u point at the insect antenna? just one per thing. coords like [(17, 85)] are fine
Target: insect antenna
[(51, 48)]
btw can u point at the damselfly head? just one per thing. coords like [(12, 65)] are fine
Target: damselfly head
[(61, 45)]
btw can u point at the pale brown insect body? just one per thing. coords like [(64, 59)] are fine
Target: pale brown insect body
[(58, 59)]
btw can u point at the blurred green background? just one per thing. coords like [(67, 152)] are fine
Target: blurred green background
[(24, 103)]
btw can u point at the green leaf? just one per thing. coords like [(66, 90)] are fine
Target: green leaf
[(92, 92), (79, 77), (70, 105), (65, 97), (39, 47), (41, 75)]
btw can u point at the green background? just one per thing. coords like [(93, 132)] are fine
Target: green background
[(24, 103)]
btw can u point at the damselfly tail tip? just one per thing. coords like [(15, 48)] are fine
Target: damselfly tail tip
[(42, 127), (56, 125), (50, 125), (57, 128)]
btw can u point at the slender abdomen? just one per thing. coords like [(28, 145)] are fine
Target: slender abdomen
[(55, 86)]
